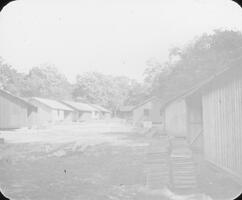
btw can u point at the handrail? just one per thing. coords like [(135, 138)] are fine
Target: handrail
[(196, 137)]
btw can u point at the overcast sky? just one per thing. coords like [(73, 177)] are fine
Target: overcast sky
[(111, 36)]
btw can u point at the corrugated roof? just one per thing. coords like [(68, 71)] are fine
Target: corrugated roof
[(100, 108), (18, 99), (52, 104), (80, 106)]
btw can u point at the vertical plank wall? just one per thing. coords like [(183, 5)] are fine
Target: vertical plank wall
[(222, 118), (12, 115), (43, 115), (138, 113)]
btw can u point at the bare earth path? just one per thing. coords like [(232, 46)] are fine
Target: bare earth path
[(86, 161), (89, 161)]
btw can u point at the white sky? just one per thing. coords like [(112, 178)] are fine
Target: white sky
[(111, 36)]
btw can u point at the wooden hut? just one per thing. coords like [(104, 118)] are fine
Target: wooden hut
[(50, 111), (209, 116), (175, 118), (15, 112), (103, 112), (82, 111), (148, 112), (183, 118), (125, 112), (221, 99)]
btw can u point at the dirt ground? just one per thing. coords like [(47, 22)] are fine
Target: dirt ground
[(89, 161)]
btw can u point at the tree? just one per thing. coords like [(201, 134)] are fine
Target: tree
[(46, 82), (199, 60), (137, 93), (106, 90), (10, 79)]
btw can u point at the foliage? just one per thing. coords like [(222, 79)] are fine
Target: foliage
[(46, 82), (105, 90), (40, 81), (10, 79), (185, 68), (199, 60)]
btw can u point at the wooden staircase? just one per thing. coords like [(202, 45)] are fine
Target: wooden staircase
[(170, 163), (183, 168)]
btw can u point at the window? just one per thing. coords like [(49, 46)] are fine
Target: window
[(146, 112)]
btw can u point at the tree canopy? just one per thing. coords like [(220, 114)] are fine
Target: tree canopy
[(106, 90), (92, 87), (10, 79), (200, 59), (46, 82)]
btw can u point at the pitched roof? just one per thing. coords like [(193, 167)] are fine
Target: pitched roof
[(17, 99), (146, 101), (236, 63), (52, 104), (79, 106), (126, 108), (100, 108)]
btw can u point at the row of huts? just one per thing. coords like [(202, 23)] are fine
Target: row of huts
[(208, 116), (16, 112)]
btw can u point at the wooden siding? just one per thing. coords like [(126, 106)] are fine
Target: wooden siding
[(138, 113), (12, 115), (47, 115), (32, 118), (75, 116), (44, 115), (176, 118), (68, 116), (105, 115), (86, 116), (222, 119), (79, 116), (125, 114), (154, 116)]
